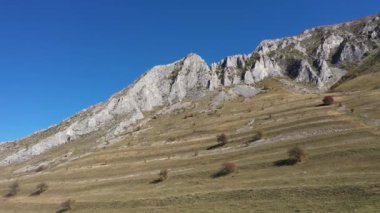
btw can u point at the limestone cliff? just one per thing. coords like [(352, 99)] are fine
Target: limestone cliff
[(316, 56)]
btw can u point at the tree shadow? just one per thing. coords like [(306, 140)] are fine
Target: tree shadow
[(285, 162), (37, 192), (219, 174), (215, 146), (156, 181), (253, 139), (9, 195), (322, 105)]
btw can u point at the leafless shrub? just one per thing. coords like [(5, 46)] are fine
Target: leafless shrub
[(162, 176), (258, 136), (221, 141), (40, 188), (66, 206), (227, 168), (14, 188), (328, 100), (297, 154)]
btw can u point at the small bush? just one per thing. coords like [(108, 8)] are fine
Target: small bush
[(221, 139), (40, 188), (162, 176), (328, 100), (297, 154), (258, 136), (227, 168), (66, 206), (14, 188)]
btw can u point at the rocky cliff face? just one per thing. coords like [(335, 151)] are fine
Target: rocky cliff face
[(317, 56)]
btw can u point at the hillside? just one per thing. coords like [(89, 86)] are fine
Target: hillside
[(108, 157)]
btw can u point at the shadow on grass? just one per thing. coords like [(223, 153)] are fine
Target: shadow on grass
[(254, 139), (8, 195), (285, 162), (62, 210), (227, 168), (215, 146), (156, 181), (322, 105), (36, 193), (220, 174)]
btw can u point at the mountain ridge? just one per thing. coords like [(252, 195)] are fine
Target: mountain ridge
[(317, 57)]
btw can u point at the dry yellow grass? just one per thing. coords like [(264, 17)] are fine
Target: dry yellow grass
[(342, 173)]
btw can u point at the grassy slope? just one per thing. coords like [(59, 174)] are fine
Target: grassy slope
[(366, 76), (342, 173)]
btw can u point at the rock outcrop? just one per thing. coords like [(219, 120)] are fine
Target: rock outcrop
[(316, 56)]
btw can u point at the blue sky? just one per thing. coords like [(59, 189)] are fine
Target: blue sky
[(58, 57)]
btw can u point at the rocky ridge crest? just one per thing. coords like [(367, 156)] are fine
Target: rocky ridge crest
[(317, 56)]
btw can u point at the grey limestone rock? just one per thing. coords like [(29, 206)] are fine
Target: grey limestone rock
[(313, 56)]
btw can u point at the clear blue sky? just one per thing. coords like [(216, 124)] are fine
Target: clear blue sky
[(60, 56)]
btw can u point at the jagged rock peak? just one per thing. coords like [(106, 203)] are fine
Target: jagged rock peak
[(193, 56)]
